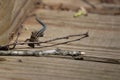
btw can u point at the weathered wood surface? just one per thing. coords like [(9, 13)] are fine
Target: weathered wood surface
[(100, 44), (12, 13), (103, 31), (110, 7), (103, 42), (46, 68)]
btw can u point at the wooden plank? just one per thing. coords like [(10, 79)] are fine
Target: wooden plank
[(55, 68), (103, 30), (103, 42), (110, 7), (11, 15)]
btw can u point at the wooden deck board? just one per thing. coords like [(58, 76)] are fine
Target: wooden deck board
[(56, 68), (46, 68), (103, 30)]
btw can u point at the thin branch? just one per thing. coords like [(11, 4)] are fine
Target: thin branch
[(64, 42), (65, 37)]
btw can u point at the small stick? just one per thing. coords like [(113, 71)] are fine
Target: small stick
[(66, 37)]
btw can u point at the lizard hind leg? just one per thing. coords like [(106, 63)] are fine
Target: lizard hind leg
[(31, 45)]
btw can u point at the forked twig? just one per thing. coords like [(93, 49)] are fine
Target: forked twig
[(65, 37)]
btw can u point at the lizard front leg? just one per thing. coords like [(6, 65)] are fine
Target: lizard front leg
[(33, 38)]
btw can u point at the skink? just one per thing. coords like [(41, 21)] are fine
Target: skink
[(36, 34)]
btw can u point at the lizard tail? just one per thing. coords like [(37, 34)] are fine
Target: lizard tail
[(40, 32)]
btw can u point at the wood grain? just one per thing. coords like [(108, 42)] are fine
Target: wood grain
[(12, 14), (103, 42)]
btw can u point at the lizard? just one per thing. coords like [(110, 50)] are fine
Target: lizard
[(35, 34)]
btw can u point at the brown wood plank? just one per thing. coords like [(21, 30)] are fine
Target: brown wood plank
[(110, 7), (103, 31), (56, 68), (12, 14), (103, 42)]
